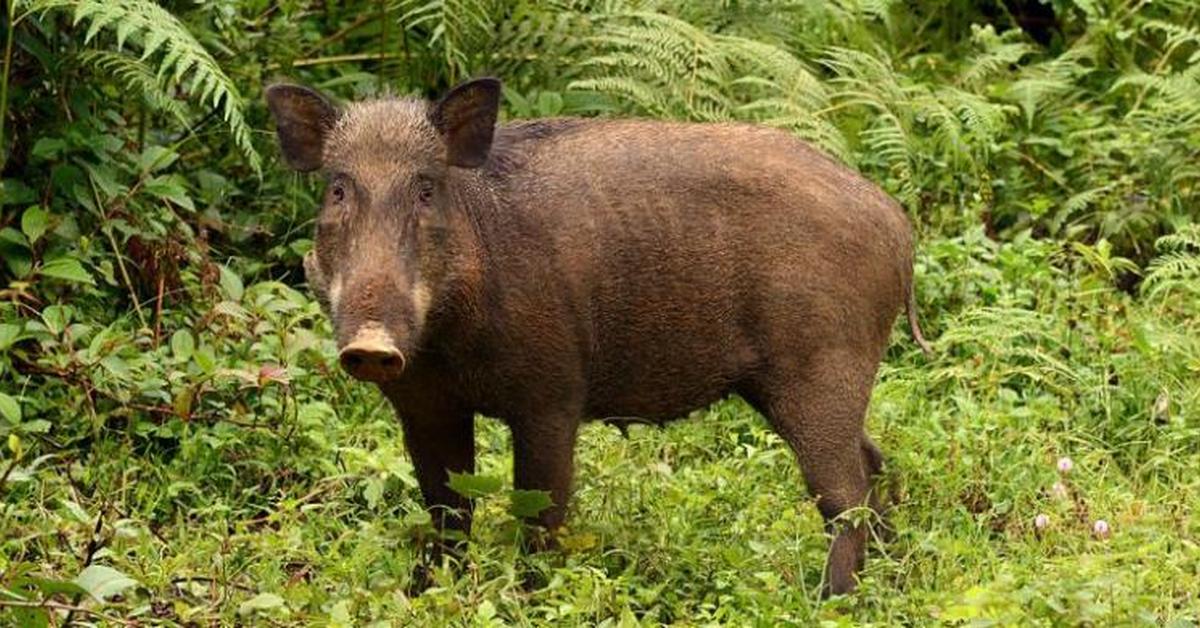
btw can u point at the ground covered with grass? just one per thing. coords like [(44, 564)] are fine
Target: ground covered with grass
[(310, 513), (178, 446)]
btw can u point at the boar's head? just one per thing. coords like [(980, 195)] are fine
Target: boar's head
[(381, 259)]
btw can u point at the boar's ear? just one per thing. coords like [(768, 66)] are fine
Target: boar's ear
[(303, 118), (466, 119)]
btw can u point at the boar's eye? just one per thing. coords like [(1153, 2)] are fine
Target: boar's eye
[(424, 190), (337, 192)]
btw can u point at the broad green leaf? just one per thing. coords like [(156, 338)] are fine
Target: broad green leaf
[(69, 269), (518, 104), (8, 335), (301, 246), (10, 409), (170, 188), (472, 486), (206, 359), (37, 426), (34, 223), (14, 250), (578, 542), (155, 158), (339, 615), (418, 519), (183, 345), (57, 317), (50, 586), (48, 147), (15, 192), (106, 180), (485, 611), (549, 104), (231, 309), (14, 238), (102, 582), (182, 404), (29, 617), (529, 503), (373, 492), (260, 602), (78, 512), (116, 366), (231, 284)]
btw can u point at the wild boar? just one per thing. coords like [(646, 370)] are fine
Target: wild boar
[(545, 272)]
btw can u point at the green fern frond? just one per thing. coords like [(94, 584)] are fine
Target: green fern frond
[(454, 29), (860, 10), (1178, 265), (138, 77), (888, 139), (912, 127), (1046, 87), (649, 97), (184, 62), (864, 78), (1186, 238), (998, 53), (1081, 200), (667, 67), (1176, 35)]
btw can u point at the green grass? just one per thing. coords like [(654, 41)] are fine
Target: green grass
[(178, 447), (705, 521)]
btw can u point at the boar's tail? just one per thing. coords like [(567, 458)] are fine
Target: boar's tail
[(910, 309)]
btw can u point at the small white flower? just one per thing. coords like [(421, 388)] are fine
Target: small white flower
[(1065, 465), (1042, 521), (1101, 529)]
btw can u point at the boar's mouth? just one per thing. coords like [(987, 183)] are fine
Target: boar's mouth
[(372, 356)]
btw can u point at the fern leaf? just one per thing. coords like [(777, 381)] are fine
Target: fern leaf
[(1177, 268), (138, 77), (185, 58)]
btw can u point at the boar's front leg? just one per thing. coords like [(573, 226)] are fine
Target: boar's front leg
[(439, 444), (543, 459)]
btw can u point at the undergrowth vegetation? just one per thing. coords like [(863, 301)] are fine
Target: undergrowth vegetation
[(177, 445)]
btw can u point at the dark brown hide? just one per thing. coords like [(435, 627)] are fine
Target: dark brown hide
[(608, 268)]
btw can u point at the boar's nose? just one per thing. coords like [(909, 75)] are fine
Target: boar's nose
[(372, 358)]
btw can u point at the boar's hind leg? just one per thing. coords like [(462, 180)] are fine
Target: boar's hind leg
[(543, 458), (438, 445), (873, 458), (820, 411)]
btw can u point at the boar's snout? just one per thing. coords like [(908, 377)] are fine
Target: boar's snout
[(371, 356)]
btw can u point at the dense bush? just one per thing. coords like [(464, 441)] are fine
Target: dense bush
[(179, 448)]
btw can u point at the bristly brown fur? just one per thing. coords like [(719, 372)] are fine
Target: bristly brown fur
[(609, 268)]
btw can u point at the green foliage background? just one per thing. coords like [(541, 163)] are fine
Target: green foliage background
[(178, 447)]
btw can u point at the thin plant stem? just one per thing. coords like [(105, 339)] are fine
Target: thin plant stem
[(8, 44), (112, 241)]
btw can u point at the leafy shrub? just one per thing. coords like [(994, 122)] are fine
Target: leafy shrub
[(178, 448)]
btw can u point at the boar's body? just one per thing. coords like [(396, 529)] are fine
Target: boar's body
[(645, 269), (551, 271)]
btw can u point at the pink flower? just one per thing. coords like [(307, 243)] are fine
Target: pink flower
[(1042, 521), (1100, 529), (1065, 465), (1059, 490), (268, 373)]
